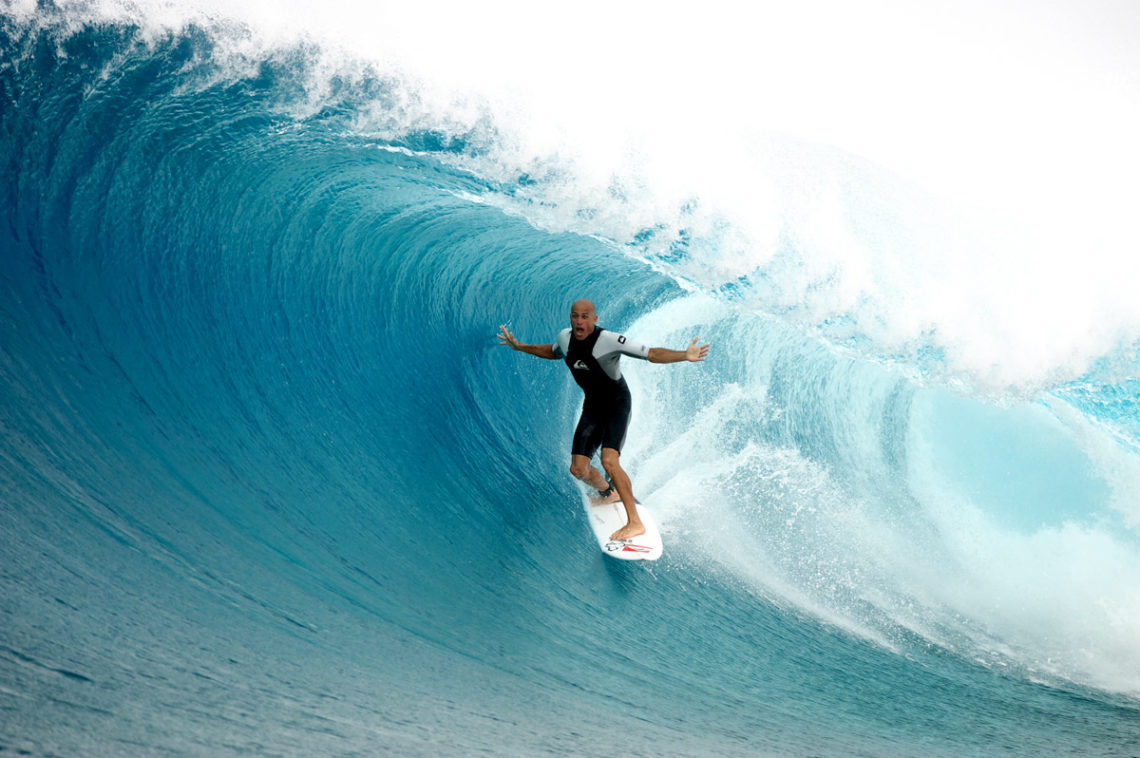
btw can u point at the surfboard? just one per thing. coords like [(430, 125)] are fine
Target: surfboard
[(607, 518)]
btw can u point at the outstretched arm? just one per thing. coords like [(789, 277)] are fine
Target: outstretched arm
[(542, 351), (665, 355)]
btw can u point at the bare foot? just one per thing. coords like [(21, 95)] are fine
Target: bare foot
[(613, 497), (629, 531)]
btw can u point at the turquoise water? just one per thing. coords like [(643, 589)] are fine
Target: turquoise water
[(270, 486)]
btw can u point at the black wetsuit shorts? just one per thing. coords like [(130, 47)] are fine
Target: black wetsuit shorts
[(602, 425)]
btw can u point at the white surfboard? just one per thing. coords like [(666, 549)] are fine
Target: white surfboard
[(608, 518)]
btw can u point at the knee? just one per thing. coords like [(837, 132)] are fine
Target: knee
[(578, 470), (610, 462)]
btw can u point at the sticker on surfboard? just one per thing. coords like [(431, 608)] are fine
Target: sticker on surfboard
[(607, 518)]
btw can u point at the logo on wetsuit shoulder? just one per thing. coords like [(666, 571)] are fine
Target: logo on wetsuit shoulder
[(581, 365)]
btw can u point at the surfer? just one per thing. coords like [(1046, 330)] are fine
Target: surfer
[(592, 354)]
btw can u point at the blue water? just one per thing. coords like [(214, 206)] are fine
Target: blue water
[(269, 486)]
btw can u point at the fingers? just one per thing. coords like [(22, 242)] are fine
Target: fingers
[(505, 337)]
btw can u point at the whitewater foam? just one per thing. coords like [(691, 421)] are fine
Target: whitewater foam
[(833, 495)]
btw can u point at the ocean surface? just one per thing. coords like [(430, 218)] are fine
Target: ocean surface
[(270, 486)]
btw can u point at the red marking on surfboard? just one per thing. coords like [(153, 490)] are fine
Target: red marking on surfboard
[(630, 548)]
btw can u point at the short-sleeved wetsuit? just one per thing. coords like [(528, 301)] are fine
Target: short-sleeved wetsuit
[(594, 363)]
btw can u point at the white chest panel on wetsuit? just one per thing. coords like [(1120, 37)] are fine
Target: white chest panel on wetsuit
[(608, 348)]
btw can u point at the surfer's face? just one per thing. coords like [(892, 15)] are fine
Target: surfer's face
[(582, 319)]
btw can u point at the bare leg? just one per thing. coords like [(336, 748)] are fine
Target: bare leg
[(580, 468), (624, 487)]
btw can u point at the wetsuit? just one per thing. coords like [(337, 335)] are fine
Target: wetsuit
[(593, 362)]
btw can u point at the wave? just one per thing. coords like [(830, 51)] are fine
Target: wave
[(266, 464)]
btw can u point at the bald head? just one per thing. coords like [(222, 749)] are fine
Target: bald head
[(583, 319)]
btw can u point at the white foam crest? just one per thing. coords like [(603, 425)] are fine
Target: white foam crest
[(1019, 119)]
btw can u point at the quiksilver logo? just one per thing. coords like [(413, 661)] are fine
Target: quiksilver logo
[(582, 365)]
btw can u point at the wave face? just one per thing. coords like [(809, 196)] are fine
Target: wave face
[(271, 486)]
